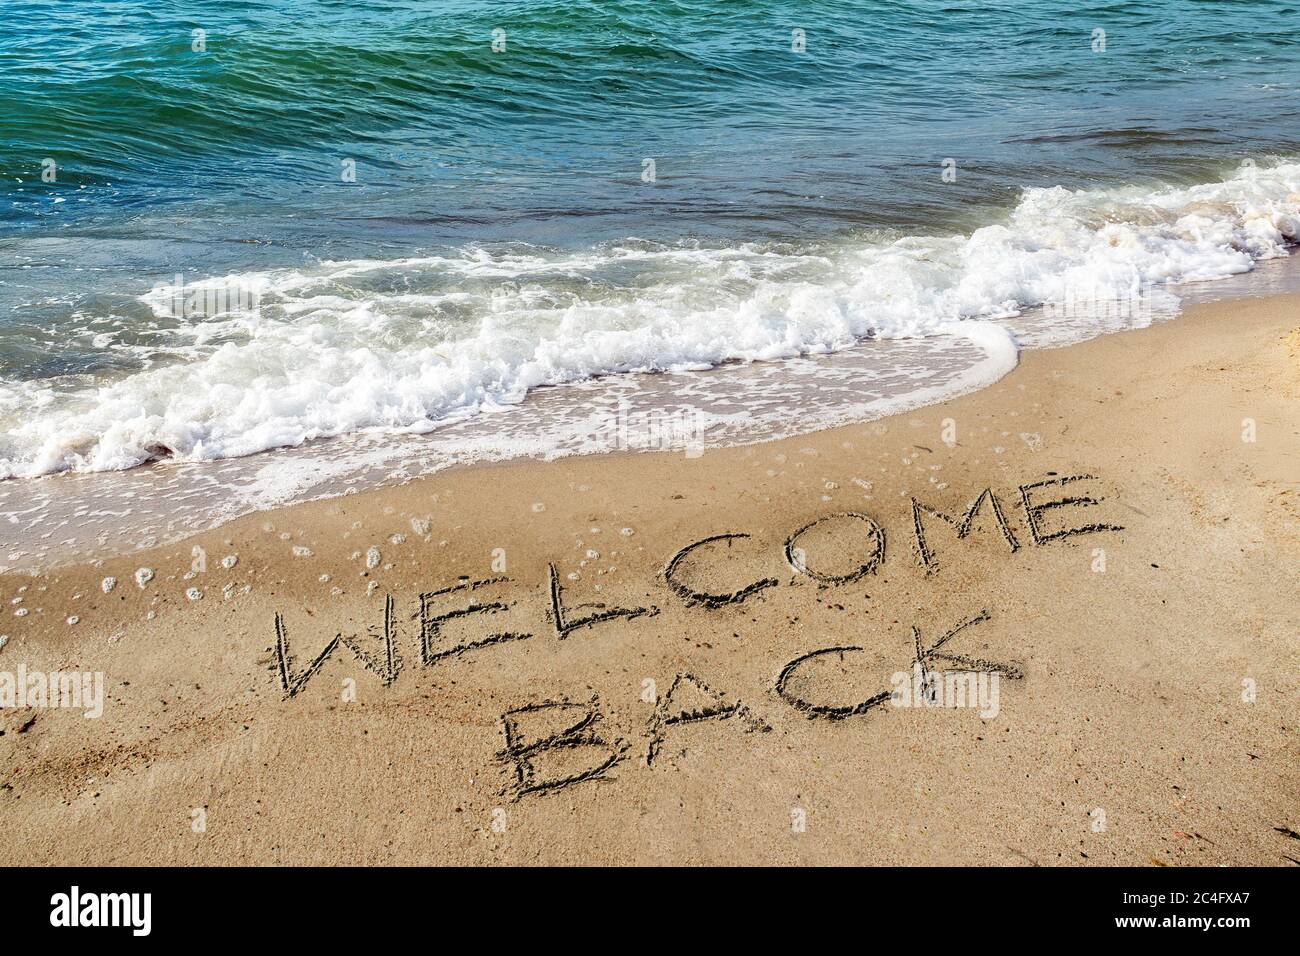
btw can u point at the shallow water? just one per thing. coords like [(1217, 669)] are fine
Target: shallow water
[(58, 518)]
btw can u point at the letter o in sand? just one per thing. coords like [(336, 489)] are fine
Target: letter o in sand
[(875, 533)]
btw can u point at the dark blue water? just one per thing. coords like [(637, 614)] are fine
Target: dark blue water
[(546, 140)]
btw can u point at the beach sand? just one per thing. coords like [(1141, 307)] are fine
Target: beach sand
[(307, 708)]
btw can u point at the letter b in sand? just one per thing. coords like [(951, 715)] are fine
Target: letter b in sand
[(555, 744)]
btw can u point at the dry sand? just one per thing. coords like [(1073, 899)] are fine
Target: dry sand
[(698, 729)]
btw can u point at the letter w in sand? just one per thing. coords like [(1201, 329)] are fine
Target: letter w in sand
[(291, 682), (387, 664)]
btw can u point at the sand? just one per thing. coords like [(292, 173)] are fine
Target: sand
[(384, 678)]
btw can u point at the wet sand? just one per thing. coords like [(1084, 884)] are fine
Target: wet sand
[(657, 658)]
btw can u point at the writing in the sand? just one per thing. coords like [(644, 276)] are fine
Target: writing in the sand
[(1054, 508)]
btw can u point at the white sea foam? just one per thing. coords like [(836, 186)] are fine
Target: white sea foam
[(408, 345)]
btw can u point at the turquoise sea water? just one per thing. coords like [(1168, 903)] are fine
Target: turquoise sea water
[(546, 139), (502, 231)]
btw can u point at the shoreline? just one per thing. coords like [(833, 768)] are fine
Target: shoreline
[(165, 503), (521, 728)]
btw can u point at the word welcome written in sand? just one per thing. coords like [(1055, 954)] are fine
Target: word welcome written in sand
[(539, 732)]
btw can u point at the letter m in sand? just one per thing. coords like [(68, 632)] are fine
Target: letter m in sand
[(964, 524)]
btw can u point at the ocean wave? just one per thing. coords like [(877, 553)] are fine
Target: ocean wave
[(256, 360)]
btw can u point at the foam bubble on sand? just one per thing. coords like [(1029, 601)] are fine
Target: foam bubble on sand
[(324, 353), (143, 576), (373, 557), (108, 584)]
